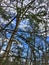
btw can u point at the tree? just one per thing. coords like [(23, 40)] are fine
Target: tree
[(22, 10)]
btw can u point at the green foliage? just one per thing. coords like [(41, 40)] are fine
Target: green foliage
[(42, 13), (35, 19), (4, 14)]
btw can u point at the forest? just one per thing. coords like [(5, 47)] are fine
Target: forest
[(24, 32)]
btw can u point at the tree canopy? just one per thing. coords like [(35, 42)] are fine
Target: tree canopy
[(24, 32)]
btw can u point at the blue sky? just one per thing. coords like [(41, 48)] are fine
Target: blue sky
[(23, 26)]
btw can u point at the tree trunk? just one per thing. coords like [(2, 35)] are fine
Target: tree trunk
[(5, 56)]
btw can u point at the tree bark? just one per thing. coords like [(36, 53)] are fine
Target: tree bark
[(5, 56)]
